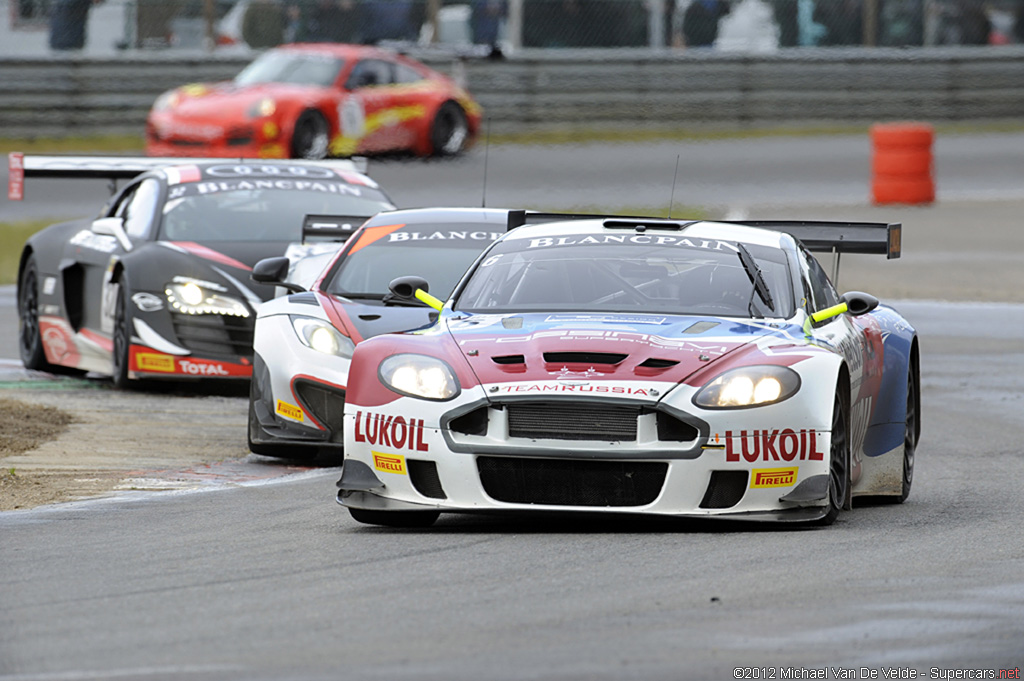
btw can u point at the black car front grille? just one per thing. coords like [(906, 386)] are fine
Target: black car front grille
[(214, 334), (424, 478), (326, 404), (572, 421), (568, 482), (725, 489)]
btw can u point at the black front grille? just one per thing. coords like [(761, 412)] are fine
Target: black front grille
[(214, 334), (572, 421), (566, 482), (325, 403), (425, 479), (725, 489)]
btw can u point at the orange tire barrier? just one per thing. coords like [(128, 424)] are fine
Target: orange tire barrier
[(901, 163)]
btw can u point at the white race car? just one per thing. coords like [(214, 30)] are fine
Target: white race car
[(699, 369)]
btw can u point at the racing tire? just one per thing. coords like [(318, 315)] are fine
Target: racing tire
[(311, 137), (838, 462), (911, 432), (30, 340), (120, 353), (450, 130), (395, 518)]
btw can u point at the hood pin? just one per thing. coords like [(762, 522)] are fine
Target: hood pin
[(704, 358), (472, 353)]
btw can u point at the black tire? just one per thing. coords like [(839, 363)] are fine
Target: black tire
[(450, 131), (30, 340), (839, 461), (395, 518), (311, 138), (122, 339), (911, 432)]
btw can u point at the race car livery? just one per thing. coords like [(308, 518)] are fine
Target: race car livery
[(304, 341), (313, 101), (158, 285), (696, 369)]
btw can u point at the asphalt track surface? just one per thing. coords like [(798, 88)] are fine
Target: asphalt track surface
[(275, 581)]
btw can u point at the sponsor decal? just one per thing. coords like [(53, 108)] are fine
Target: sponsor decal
[(151, 361), (390, 431), (602, 318), (289, 410), (772, 477), (182, 175), (58, 344), (94, 242), (147, 302), (270, 171), (636, 239), (773, 445), (444, 236), (389, 463), (202, 368), (15, 176), (322, 186), (49, 285), (575, 388)]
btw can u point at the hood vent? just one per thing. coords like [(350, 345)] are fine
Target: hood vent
[(584, 357), (701, 327), (655, 363), (509, 359), (512, 322)]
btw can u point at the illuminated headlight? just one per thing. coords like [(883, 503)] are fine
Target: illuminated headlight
[(419, 376), (748, 387), (264, 107), (191, 298), (321, 336)]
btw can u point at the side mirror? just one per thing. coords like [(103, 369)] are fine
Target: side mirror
[(274, 271), (112, 227), (411, 288), (858, 303)]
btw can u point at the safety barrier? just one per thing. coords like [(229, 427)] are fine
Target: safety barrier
[(901, 163), (540, 88)]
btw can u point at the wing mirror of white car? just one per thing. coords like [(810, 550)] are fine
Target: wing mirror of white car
[(113, 227), (412, 288), (274, 272)]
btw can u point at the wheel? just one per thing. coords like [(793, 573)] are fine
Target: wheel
[(911, 432), (30, 340), (311, 137), (839, 462), (122, 339), (395, 518), (450, 131)]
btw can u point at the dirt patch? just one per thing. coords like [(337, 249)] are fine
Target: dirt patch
[(26, 426)]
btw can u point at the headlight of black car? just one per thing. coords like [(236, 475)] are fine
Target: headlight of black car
[(191, 298)]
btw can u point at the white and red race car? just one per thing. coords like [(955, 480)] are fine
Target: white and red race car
[(693, 369)]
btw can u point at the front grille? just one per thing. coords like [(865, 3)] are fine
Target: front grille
[(564, 482), (214, 334), (425, 479), (326, 404), (725, 489), (573, 421)]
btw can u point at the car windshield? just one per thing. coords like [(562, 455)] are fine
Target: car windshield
[(291, 67), (607, 273), (367, 270), (264, 214)]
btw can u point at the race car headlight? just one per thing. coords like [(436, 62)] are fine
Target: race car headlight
[(191, 298), (167, 100), (419, 376), (321, 336), (748, 387), (263, 107)]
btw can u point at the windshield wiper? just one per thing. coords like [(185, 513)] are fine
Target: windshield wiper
[(756, 278)]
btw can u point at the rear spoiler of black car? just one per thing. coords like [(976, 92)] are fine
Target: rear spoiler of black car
[(331, 227), (874, 238), (113, 168)]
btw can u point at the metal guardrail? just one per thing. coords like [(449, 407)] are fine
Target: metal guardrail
[(536, 89)]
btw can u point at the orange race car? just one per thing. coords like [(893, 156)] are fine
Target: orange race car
[(316, 100)]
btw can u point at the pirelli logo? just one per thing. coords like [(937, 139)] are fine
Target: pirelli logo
[(147, 361), (289, 410), (389, 463), (773, 477)]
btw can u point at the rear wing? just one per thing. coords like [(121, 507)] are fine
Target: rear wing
[(874, 238), (331, 227), (113, 168), (519, 218)]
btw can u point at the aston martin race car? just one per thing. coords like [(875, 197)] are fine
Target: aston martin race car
[(317, 100), (689, 369), (303, 342), (157, 286)]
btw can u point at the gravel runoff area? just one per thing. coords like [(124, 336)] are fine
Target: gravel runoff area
[(72, 438)]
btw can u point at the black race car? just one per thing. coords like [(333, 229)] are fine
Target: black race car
[(157, 286)]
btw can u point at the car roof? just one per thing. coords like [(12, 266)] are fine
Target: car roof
[(341, 50), (700, 229)]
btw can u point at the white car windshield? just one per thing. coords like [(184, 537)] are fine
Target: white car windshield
[(572, 274)]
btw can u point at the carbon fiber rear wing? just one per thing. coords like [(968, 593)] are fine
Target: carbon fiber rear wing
[(875, 238), (113, 168), (331, 227)]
